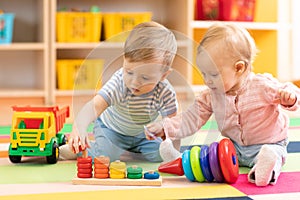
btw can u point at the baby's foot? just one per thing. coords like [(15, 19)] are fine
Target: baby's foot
[(167, 151), (266, 160), (66, 154)]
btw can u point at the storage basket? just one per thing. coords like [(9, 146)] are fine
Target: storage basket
[(79, 74), (78, 26), (6, 27), (116, 23)]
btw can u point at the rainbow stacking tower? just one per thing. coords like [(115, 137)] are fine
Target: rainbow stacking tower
[(218, 163)]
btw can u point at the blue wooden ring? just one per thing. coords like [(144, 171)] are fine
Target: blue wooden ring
[(151, 175), (228, 160), (204, 162), (214, 162), (186, 165)]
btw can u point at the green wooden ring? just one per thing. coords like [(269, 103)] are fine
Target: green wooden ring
[(134, 176), (195, 163)]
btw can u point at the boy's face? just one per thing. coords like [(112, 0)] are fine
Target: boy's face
[(141, 78), (219, 72)]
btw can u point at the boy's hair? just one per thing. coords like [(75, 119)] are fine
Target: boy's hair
[(150, 41), (235, 40)]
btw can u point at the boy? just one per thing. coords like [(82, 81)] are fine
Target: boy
[(133, 97)]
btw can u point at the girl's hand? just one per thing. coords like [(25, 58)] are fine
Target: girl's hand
[(156, 129), (286, 98)]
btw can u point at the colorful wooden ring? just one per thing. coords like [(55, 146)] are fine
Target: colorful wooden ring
[(101, 176), (84, 160), (186, 164), (134, 176), (101, 171), (195, 163), (228, 160), (100, 166), (151, 175), (134, 170), (204, 163), (83, 175), (84, 165), (214, 162), (117, 176), (104, 160), (85, 171)]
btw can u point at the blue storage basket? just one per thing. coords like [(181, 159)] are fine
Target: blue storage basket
[(6, 27)]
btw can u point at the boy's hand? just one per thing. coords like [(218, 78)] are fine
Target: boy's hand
[(156, 129), (78, 142), (286, 98)]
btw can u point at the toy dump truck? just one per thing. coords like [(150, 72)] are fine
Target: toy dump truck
[(35, 131)]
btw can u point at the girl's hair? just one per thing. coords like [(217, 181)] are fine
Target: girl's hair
[(233, 40), (150, 41)]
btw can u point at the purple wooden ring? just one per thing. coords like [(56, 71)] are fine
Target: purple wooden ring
[(204, 162), (214, 162)]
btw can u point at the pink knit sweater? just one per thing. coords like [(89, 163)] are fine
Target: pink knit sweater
[(250, 116)]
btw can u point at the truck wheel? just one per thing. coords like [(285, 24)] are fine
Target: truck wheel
[(15, 159), (64, 140), (52, 159)]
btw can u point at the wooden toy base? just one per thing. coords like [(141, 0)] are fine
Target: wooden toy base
[(117, 182)]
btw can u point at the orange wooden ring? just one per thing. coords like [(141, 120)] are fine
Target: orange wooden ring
[(100, 166), (102, 160), (101, 171), (101, 176), (84, 165)]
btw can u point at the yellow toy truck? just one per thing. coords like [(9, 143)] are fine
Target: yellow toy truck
[(35, 131)]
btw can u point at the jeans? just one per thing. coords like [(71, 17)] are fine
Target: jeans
[(112, 144)]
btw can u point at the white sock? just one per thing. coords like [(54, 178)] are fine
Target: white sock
[(65, 153), (266, 160), (167, 151)]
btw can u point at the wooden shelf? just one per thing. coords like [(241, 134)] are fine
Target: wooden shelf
[(22, 46), (249, 25)]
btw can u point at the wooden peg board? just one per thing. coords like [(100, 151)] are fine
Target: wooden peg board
[(117, 182)]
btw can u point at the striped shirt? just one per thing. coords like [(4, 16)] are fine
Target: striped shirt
[(127, 114), (250, 116)]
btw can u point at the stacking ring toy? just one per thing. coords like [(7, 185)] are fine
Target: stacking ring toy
[(214, 162), (217, 162), (195, 163), (204, 163), (228, 160), (186, 164)]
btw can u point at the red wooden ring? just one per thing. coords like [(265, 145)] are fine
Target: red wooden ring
[(84, 165), (84, 171), (228, 160), (82, 175), (84, 160)]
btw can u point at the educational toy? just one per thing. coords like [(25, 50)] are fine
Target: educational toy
[(218, 162)]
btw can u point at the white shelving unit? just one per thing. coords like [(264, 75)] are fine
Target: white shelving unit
[(283, 27), (25, 62), (163, 12), (28, 64)]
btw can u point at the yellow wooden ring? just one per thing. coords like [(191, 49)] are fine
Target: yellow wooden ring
[(195, 163)]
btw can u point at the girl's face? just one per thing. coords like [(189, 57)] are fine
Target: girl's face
[(141, 78), (220, 74)]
